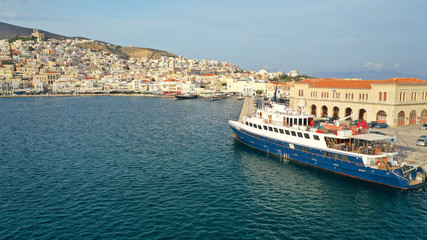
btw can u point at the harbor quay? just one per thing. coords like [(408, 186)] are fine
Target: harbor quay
[(406, 136)]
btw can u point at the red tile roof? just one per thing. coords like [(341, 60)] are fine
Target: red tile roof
[(207, 75), (402, 80), (354, 83), (280, 83), (170, 80)]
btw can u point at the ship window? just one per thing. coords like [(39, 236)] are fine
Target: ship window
[(293, 133), (246, 123), (306, 135), (265, 127), (336, 155), (326, 154), (299, 134), (287, 132), (259, 126), (304, 149), (255, 126), (270, 128), (344, 157), (316, 137), (281, 130), (250, 124), (275, 130)]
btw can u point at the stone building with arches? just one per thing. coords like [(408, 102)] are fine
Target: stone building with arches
[(395, 101)]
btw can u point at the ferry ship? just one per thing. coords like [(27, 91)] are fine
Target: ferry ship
[(347, 150)]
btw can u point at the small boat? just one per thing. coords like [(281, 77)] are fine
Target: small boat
[(216, 97), (186, 96)]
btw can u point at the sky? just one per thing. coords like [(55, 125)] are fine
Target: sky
[(306, 35)]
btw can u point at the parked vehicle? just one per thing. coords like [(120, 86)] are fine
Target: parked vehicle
[(382, 125), (354, 123), (424, 126), (380, 133), (422, 142), (423, 137), (318, 123), (372, 124)]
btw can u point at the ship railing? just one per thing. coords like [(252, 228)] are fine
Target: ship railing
[(360, 148)]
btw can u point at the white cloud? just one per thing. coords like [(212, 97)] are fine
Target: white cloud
[(373, 66)]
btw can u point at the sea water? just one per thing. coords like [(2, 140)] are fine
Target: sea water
[(160, 168)]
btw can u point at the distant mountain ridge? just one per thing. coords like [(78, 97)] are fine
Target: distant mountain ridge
[(366, 75), (8, 31)]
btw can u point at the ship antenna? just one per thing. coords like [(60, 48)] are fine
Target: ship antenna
[(275, 91)]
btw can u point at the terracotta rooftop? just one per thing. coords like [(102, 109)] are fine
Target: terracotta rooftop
[(170, 80), (207, 75), (402, 80), (354, 83)]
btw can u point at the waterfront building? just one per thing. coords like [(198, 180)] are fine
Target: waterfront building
[(283, 89), (395, 101), (48, 77), (246, 87), (39, 86), (6, 87)]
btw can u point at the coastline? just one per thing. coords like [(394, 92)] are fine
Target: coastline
[(103, 94), (87, 95)]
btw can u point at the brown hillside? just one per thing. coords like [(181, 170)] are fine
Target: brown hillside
[(126, 52), (135, 52)]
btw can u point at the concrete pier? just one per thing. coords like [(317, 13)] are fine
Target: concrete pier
[(248, 108)]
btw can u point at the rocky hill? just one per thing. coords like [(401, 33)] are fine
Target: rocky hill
[(126, 52), (8, 31)]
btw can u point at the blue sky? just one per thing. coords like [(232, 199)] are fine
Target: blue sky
[(307, 35)]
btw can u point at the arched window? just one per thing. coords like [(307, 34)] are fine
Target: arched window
[(385, 96), (401, 118), (380, 97), (381, 117)]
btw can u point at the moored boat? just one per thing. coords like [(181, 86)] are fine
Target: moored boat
[(186, 96), (347, 150)]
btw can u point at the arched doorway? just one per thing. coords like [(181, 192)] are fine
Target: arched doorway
[(413, 117), (362, 114), (423, 117), (349, 112), (381, 117), (314, 110), (324, 111), (401, 118), (336, 112)]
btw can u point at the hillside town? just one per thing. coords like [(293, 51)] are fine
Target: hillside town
[(50, 66), (38, 66)]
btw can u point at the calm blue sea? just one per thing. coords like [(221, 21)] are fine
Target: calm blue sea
[(160, 168)]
